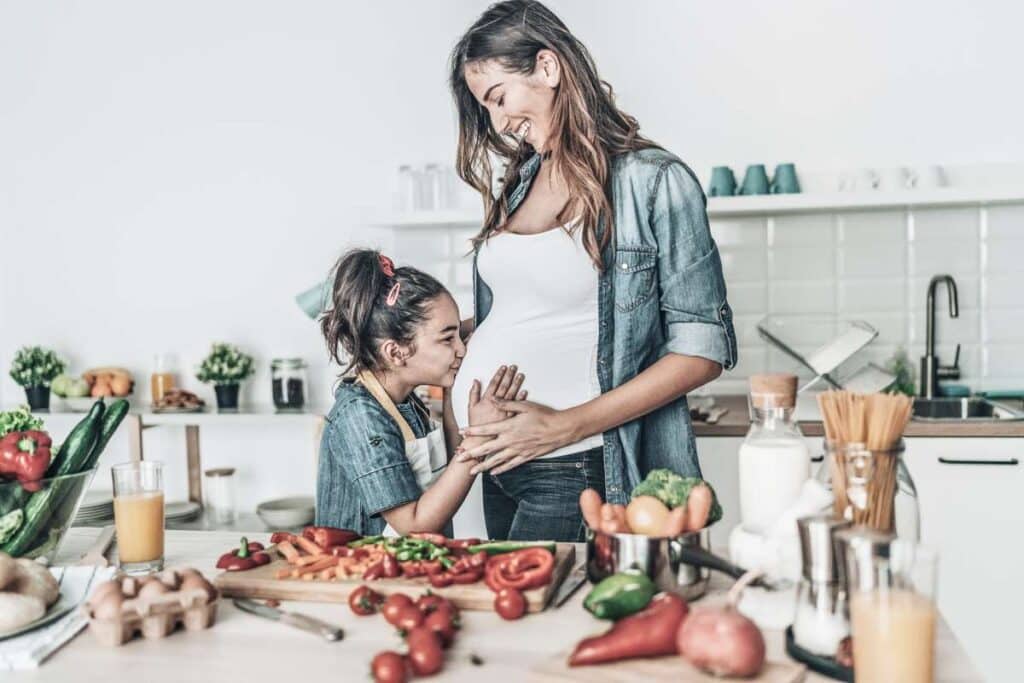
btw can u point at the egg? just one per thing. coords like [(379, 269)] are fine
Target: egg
[(153, 588), (647, 515)]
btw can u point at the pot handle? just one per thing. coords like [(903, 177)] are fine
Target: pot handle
[(699, 557)]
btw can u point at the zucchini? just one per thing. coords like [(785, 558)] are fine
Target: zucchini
[(74, 455)]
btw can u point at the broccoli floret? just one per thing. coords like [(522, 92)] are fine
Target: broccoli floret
[(673, 490)]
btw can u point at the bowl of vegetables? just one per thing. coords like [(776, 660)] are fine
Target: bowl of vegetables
[(663, 533), (42, 484)]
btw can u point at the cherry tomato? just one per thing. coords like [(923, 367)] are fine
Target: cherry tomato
[(364, 600), (408, 618), (425, 653), (509, 604), (394, 603), (389, 667), (442, 623), (428, 602)]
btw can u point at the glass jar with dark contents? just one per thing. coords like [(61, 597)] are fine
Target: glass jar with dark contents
[(288, 383)]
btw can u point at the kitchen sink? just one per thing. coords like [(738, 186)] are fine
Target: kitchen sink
[(963, 409)]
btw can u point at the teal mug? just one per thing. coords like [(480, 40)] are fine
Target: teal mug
[(723, 182), (755, 180), (785, 181)]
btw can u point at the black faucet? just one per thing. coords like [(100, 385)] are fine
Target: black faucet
[(931, 370)]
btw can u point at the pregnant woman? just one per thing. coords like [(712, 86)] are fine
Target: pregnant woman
[(595, 270)]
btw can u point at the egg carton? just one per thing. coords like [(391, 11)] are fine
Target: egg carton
[(153, 615)]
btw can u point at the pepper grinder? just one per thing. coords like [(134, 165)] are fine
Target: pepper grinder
[(822, 620)]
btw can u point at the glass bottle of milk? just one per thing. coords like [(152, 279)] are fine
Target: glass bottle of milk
[(774, 458)]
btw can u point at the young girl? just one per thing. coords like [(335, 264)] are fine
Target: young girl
[(381, 458)]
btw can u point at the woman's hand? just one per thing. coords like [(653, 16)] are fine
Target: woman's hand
[(505, 385), (533, 430)]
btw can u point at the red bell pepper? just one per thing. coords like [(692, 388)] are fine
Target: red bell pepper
[(648, 633), (520, 569), (247, 556), (25, 455), (327, 536)]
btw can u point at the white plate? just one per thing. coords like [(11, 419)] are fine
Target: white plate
[(182, 510)]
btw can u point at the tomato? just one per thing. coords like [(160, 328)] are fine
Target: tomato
[(364, 600), (389, 667), (425, 653), (428, 602), (509, 604), (442, 623), (394, 604), (408, 618)]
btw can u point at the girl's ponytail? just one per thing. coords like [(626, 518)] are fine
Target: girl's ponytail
[(372, 301)]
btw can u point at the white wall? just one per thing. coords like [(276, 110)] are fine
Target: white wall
[(172, 174)]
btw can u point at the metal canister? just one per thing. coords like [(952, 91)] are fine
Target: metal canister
[(855, 548), (819, 561)]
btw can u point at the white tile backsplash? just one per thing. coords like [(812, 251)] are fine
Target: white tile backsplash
[(951, 228), (744, 265), (873, 228), (957, 259), (802, 263), (1004, 256), (816, 229), (884, 259), (872, 296), (745, 232), (1005, 222), (803, 297)]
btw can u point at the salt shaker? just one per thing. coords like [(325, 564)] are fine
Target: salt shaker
[(821, 621)]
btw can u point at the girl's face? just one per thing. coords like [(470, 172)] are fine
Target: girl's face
[(438, 347), (518, 104)]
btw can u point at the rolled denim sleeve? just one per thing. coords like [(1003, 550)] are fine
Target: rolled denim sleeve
[(694, 308), (366, 442)]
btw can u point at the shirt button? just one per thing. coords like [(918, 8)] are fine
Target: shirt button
[(624, 266), (614, 489)]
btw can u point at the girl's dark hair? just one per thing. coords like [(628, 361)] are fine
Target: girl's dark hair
[(589, 129), (360, 319)]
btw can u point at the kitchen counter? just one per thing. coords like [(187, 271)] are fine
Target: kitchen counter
[(736, 422), (243, 647)]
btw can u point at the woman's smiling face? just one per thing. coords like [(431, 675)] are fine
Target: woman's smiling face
[(518, 104)]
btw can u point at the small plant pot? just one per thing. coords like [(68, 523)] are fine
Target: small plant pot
[(38, 397), (227, 396)]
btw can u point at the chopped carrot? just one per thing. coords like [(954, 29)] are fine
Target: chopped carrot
[(309, 569), (282, 573), (309, 546), (288, 550), (307, 560)]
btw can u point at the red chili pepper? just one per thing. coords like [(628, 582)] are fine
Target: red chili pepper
[(521, 569), (649, 633), (389, 566), (470, 576), (25, 455), (328, 536), (247, 556), (432, 566)]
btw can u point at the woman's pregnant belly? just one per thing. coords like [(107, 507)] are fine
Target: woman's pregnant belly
[(558, 358)]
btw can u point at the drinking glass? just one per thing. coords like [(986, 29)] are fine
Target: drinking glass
[(892, 611), (139, 516)]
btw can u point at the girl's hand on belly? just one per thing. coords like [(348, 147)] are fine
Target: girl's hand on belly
[(505, 385), (532, 431)]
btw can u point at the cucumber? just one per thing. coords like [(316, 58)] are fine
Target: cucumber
[(112, 419), (74, 455), (70, 457)]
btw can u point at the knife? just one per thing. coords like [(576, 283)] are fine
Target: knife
[(573, 581), (306, 623)]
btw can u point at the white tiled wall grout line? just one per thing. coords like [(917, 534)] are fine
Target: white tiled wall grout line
[(983, 335)]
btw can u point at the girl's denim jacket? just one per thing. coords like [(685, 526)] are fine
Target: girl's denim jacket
[(661, 291)]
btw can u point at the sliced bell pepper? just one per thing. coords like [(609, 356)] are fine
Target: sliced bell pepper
[(520, 569), (327, 536)]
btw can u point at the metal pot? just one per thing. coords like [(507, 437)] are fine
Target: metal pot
[(680, 565)]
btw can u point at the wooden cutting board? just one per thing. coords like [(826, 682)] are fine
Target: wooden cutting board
[(261, 583), (672, 668)]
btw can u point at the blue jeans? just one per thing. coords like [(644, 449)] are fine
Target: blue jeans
[(540, 499)]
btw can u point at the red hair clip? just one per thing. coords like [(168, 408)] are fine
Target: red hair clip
[(393, 294), (386, 265)]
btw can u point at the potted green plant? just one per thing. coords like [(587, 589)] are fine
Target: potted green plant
[(225, 367), (34, 368)]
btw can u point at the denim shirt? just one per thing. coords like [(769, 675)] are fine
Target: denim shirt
[(363, 470), (661, 291)]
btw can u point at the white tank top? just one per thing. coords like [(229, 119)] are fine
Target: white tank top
[(544, 319)]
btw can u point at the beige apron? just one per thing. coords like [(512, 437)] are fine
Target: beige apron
[(427, 456)]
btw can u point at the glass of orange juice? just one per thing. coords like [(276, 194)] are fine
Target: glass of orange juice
[(139, 516), (893, 613)]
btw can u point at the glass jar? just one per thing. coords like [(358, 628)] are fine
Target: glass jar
[(288, 383), (219, 495), (774, 460), (875, 488)]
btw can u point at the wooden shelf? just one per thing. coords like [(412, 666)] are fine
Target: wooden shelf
[(765, 205)]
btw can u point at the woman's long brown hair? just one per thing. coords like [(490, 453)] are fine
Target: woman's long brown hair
[(589, 130)]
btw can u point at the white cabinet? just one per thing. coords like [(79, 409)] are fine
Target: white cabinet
[(970, 492), (719, 463)]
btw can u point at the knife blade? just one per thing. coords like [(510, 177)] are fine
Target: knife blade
[(301, 621), (573, 581)]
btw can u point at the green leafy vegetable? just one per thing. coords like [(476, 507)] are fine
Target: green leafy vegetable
[(20, 419)]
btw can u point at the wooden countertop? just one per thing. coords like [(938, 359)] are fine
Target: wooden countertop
[(244, 647), (736, 422)]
